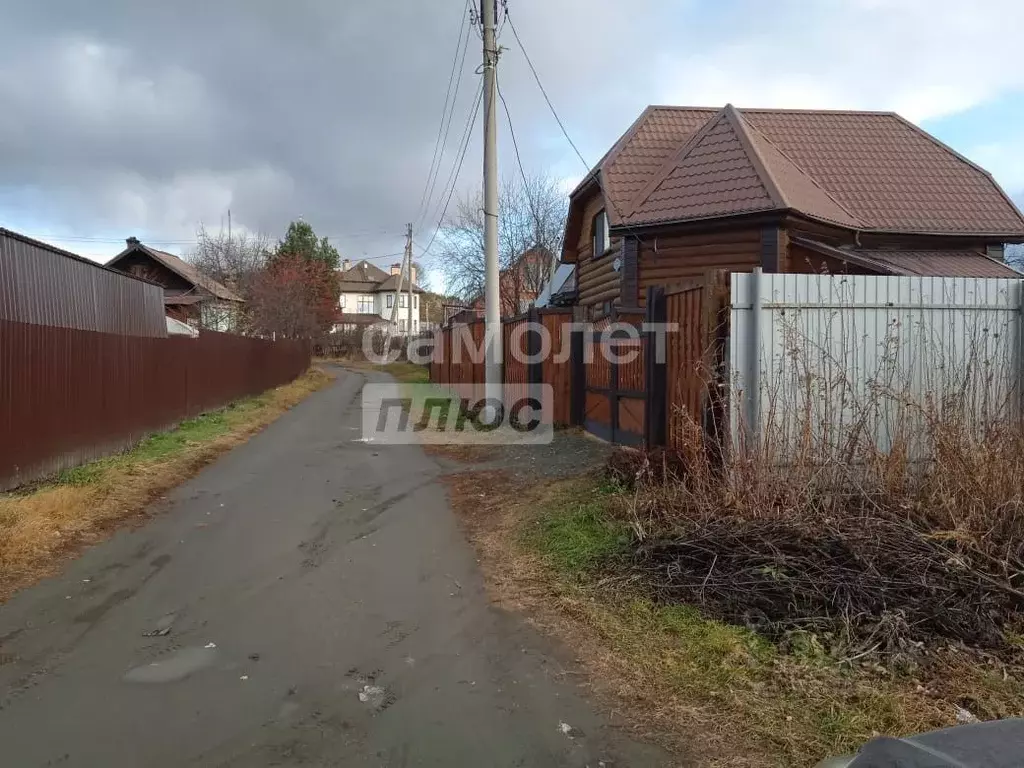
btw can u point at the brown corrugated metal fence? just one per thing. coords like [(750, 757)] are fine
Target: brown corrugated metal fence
[(44, 285), (68, 395)]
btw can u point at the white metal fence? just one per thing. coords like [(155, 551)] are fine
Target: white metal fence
[(820, 364)]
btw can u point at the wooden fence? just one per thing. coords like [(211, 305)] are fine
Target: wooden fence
[(68, 396), (606, 378)]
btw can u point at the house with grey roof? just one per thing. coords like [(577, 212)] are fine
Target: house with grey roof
[(370, 295)]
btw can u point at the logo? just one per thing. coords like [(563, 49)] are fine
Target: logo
[(404, 414)]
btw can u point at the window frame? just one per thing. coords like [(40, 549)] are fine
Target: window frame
[(391, 300), (364, 301), (606, 239), (403, 301), (342, 301)]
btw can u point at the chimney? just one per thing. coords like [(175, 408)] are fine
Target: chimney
[(132, 241), (396, 268), (346, 265)]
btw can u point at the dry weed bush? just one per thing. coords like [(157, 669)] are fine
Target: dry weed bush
[(878, 507)]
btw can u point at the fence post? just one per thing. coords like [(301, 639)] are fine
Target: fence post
[(753, 393), (656, 373), (535, 368), (577, 377)]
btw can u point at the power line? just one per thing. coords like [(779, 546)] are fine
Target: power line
[(512, 132), (543, 91), (457, 170), (443, 127)]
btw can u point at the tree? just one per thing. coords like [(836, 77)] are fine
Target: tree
[(1015, 256), (531, 222), (301, 240), (231, 261), (294, 297)]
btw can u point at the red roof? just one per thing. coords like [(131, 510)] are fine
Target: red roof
[(861, 170)]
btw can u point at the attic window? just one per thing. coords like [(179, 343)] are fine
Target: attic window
[(600, 230)]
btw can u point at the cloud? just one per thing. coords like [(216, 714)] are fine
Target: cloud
[(145, 117)]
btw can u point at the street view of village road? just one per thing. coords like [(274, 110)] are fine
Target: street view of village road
[(511, 383), (321, 608)]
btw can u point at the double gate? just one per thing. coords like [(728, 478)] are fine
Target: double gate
[(652, 384), (614, 379)]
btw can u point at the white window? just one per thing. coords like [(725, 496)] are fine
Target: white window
[(601, 239), (343, 301), (391, 300), (365, 305), (415, 301), (403, 301)]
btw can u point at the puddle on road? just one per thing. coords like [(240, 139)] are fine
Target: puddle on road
[(177, 666)]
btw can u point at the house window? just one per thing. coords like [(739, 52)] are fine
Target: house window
[(391, 300), (415, 301), (601, 239), (365, 305), (401, 326), (342, 300), (403, 301)]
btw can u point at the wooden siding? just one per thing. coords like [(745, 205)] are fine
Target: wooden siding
[(597, 279), (805, 261), (680, 258)]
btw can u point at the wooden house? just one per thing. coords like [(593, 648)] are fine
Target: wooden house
[(687, 189)]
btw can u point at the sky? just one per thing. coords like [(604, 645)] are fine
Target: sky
[(146, 118)]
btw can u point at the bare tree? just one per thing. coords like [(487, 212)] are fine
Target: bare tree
[(531, 222), (232, 261), (1015, 256)]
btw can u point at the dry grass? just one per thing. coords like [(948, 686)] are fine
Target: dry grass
[(716, 693), (47, 523)]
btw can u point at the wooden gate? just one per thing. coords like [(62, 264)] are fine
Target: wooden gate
[(614, 380), (694, 370)]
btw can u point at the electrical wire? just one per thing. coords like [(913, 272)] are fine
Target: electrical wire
[(441, 142), (512, 133), (543, 91), (456, 171)]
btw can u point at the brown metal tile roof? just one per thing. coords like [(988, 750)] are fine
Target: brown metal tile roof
[(181, 268), (712, 175), (924, 263), (637, 156), (941, 263), (890, 173), (863, 170)]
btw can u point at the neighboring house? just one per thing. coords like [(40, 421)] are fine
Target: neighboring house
[(190, 297), (688, 189), (369, 295), (41, 284), (560, 291), (519, 285)]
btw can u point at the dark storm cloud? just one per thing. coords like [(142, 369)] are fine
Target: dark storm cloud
[(284, 109), (149, 116)]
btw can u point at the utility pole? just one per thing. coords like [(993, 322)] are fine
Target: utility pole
[(492, 300), (408, 265)]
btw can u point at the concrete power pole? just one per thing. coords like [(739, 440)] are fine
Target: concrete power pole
[(492, 298), (408, 266)]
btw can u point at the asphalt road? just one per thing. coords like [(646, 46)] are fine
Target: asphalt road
[(308, 599)]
